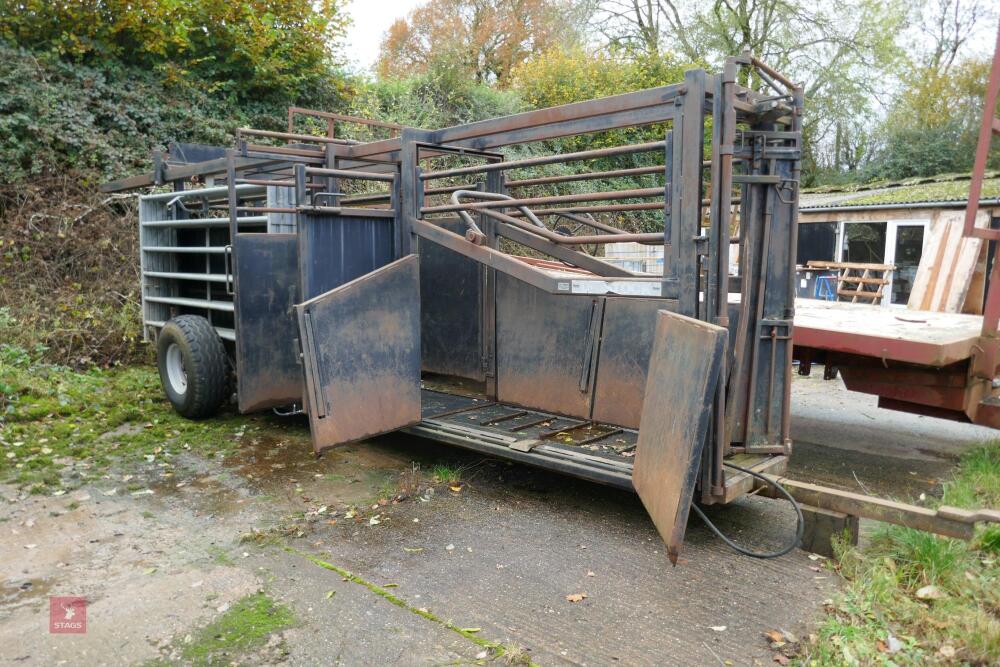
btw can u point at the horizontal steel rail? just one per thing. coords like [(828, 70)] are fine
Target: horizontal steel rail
[(608, 208), (291, 136), (192, 249), (546, 159), (587, 176), (206, 222), (209, 304), (345, 173), (327, 115), (555, 199), (202, 277), (200, 193)]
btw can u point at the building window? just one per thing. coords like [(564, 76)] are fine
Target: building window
[(817, 242), (897, 242)]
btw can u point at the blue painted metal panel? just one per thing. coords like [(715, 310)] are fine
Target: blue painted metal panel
[(336, 249)]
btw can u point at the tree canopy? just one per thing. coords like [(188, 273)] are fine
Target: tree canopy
[(251, 48), (481, 39)]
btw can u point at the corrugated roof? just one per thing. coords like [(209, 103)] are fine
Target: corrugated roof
[(942, 189)]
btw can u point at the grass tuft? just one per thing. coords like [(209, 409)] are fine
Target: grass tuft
[(960, 625), (446, 474)]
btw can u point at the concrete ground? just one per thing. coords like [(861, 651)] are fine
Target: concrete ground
[(493, 562)]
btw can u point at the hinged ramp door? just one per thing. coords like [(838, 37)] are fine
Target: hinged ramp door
[(680, 387), (361, 355)]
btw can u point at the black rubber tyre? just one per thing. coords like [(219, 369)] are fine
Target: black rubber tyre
[(193, 366)]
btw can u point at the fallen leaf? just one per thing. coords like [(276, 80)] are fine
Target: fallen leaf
[(470, 630), (149, 570), (931, 593), (455, 488), (330, 594), (881, 646), (576, 597), (774, 636), (390, 586)]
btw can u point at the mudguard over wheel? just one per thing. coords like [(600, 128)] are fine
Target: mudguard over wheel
[(193, 366)]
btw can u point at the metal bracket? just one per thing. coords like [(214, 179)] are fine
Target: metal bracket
[(525, 445), (227, 268)]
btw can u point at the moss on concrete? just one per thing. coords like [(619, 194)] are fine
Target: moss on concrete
[(244, 627)]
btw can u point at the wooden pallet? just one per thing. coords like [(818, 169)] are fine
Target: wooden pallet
[(859, 281)]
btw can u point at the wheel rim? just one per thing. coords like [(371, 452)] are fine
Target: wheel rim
[(176, 374)]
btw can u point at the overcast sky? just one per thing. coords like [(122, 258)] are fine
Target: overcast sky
[(371, 19)]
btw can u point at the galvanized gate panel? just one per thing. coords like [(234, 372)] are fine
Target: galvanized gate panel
[(265, 271), (361, 353), (683, 373)]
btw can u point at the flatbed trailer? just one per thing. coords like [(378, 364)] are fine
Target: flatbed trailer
[(938, 364), (914, 361)]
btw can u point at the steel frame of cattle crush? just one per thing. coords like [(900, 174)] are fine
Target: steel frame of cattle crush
[(463, 299)]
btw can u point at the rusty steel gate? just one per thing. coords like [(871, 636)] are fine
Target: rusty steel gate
[(453, 283)]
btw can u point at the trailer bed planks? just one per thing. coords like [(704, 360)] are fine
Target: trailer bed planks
[(910, 336)]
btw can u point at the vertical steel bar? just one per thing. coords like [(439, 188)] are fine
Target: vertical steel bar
[(986, 130), (687, 218), (231, 187)]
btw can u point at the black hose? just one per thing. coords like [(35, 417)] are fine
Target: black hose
[(799, 530)]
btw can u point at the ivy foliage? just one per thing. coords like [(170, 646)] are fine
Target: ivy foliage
[(58, 117)]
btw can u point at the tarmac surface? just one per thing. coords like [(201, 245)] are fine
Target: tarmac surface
[(438, 575)]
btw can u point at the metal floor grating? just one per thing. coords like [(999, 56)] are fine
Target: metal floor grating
[(595, 451), (603, 440)]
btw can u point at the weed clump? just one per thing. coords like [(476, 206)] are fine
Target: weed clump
[(916, 598)]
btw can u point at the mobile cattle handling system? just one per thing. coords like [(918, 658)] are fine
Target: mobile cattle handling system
[(428, 284)]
